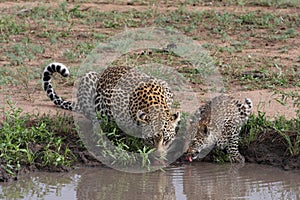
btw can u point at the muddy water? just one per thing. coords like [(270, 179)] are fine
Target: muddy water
[(196, 181)]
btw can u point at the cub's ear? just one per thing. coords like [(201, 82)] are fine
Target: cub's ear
[(141, 116), (176, 117), (203, 129)]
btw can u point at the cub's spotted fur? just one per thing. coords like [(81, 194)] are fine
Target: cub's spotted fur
[(218, 123)]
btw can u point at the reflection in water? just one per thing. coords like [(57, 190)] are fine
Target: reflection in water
[(111, 184), (196, 181), (41, 185), (214, 182)]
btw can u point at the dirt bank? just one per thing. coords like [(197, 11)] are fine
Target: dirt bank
[(269, 149)]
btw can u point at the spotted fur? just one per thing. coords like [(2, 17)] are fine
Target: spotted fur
[(218, 123), (140, 104)]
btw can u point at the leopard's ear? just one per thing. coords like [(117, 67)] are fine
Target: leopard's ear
[(176, 117), (141, 116)]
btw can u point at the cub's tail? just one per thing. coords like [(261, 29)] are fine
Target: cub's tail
[(245, 109), (47, 76), (248, 106)]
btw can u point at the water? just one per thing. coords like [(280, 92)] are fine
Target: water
[(196, 181)]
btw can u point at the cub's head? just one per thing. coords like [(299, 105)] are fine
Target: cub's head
[(197, 146)]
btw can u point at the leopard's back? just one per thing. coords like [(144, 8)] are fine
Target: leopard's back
[(138, 103)]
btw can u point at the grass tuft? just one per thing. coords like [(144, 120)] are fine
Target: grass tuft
[(285, 130), (31, 140)]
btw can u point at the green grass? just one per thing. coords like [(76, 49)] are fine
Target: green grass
[(7, 76), (10, 25), (260, 124), (286, 129), (63, 28), (48, 143), (21, 78), (23, 51), (27, 139), (122, 150), (282, 97)]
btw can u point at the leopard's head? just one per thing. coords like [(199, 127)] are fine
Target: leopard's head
[(151, 111), (158, 123), (159, 129)]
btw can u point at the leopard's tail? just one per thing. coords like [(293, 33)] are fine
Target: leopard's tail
[(47, 76)]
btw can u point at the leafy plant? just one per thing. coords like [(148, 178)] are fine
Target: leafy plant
[(144, 152), (293, 147), (27, 140), (282, 97), (289, 130), (20, 52), (121, 149)]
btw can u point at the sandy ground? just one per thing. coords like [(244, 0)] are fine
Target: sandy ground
[(34, 99), (263, 101)]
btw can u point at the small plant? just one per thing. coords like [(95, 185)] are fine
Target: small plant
[(83, 49), (254, 127), (259, 125), (282, 97), (70, 55), (27, 140), (145, 156), (21, 52), (121, 149), (292, 146), (10, 26)]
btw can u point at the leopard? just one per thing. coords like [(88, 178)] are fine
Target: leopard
[(137, 102), (217, 124)]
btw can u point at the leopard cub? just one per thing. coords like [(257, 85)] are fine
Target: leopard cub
[(218, 123)]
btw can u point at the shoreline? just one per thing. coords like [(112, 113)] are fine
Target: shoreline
[(268, 148)]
